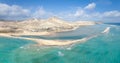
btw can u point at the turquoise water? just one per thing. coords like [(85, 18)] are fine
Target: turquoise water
[(7, 45), (104, 48)]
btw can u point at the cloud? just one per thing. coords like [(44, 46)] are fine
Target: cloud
[(79, 12), (39, 12), (85, 13), (13, 11), (98, 16), (114, 13), (90, 6)]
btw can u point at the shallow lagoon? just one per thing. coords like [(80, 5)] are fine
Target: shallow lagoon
[(79, 33)]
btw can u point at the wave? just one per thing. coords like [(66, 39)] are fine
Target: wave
[(60, 53), (106, 30)]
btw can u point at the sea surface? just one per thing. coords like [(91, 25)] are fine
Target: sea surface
[(105, 48)]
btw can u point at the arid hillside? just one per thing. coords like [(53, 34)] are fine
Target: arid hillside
[(53, 24)]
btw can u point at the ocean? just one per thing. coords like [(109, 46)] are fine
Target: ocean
[(105, 48)]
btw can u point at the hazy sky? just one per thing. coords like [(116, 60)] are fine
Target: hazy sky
[(95, 10)]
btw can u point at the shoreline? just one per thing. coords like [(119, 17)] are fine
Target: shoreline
[(40, 41), (44, 42)]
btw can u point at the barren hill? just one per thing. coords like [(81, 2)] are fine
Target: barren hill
[(52, 24)]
